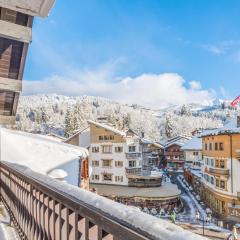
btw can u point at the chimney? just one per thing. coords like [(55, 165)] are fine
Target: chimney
[(238, 121)]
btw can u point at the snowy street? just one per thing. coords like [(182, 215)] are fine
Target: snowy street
[(187, 217)]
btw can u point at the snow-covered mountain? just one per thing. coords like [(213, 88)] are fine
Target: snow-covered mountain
[(63, 115)]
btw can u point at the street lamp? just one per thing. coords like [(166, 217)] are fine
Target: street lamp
[(203, 220)]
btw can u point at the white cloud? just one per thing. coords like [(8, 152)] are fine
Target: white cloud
[(152, 90), (195, 85)]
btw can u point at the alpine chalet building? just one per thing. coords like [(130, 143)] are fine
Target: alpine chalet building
[(16, 21)]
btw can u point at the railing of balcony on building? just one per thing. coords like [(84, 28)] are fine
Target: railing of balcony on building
[(219, 171), (133, 155), (42, 208), (134, 171)]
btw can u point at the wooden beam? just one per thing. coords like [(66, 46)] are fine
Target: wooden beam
[(7, 120), (10, 84), (15, 32), (15, 104)]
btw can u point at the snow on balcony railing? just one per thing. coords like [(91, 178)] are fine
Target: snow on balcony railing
[(42, 207)]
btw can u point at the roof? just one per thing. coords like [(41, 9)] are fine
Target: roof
[(193, 144), (30, 7), (107, 127), (148, 141), (179, 140), (166, 191), (37, 152), (79, 131), (229, 128)]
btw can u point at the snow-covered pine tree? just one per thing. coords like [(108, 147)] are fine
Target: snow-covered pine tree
[(169, 127), (69, 123)]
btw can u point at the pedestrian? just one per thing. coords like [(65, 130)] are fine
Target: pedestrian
[(173, 217), (234, 233)]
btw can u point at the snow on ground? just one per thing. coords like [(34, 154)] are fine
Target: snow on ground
[(40, 153), (198, 206), (160, 229)]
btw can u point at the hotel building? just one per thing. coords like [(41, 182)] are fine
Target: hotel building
[(221, 167)]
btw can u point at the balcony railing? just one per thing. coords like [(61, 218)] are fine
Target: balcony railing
[(219, 171), (133, 171), (133, 155), (43, 208)]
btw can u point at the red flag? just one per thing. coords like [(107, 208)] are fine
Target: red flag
[(235, 102)]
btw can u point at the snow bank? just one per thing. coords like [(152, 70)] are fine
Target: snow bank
[(40, 153), (158, 228)]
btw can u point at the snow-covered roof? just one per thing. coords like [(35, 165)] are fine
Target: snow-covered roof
[(179, 140), (79, 131), (58, 174), (148, 141), (37, 152), (229, 128), (107, 127), (168, 190), (193, 144)]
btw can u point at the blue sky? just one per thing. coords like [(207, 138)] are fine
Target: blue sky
[(84, 44)]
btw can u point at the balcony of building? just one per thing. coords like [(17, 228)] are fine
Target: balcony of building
[(219, 171), (44, 208), (133, 155)]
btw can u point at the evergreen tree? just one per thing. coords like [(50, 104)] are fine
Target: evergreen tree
[(169, 128), (69, 123)]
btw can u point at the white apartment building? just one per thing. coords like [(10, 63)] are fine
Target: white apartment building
[(193, 154), (113, 154)]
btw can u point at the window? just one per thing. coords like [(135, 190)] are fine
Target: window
[(222, 184), (106, 163), (106, 137), (107, 177), (118, 178), (132, 163), (206, 147), (95, 177), (210, 146), (107, 149), (222, 164), (217, 182), (100, 138), (95, 163), (212, 162), (216, 146), (221, 146), (118, 149), (195, 153), (132, 148), (95, 149), (111, 137), (212, 180), (119, 164)]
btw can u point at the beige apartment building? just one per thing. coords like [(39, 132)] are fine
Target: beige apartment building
[(221, 167)]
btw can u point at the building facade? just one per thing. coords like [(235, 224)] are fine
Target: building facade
[(174, 154), (221, 178), (16, 20), (193, 154)]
